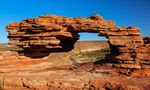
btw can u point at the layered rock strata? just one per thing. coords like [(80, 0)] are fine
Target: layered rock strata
[(53, 33), (50, 31)]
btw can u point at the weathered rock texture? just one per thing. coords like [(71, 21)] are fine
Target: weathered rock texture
[(51, 32), (24, 73)]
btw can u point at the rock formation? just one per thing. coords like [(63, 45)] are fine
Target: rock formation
[(50, 32)]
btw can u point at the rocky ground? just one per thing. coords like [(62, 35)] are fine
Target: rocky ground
[(25, 73)]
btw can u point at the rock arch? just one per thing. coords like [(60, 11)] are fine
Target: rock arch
[(51, 32)]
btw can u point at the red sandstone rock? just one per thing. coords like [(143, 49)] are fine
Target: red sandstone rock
[(28, 31), (51, 31), (146, 40), (96, 17)]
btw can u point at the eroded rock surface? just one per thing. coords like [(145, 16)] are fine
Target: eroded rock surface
[(57, 33), (23, 73), (51, 31)]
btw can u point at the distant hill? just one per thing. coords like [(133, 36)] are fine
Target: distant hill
[(7, 47), (79, 45)]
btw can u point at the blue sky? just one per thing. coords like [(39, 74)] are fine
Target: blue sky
[(123, 12)]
